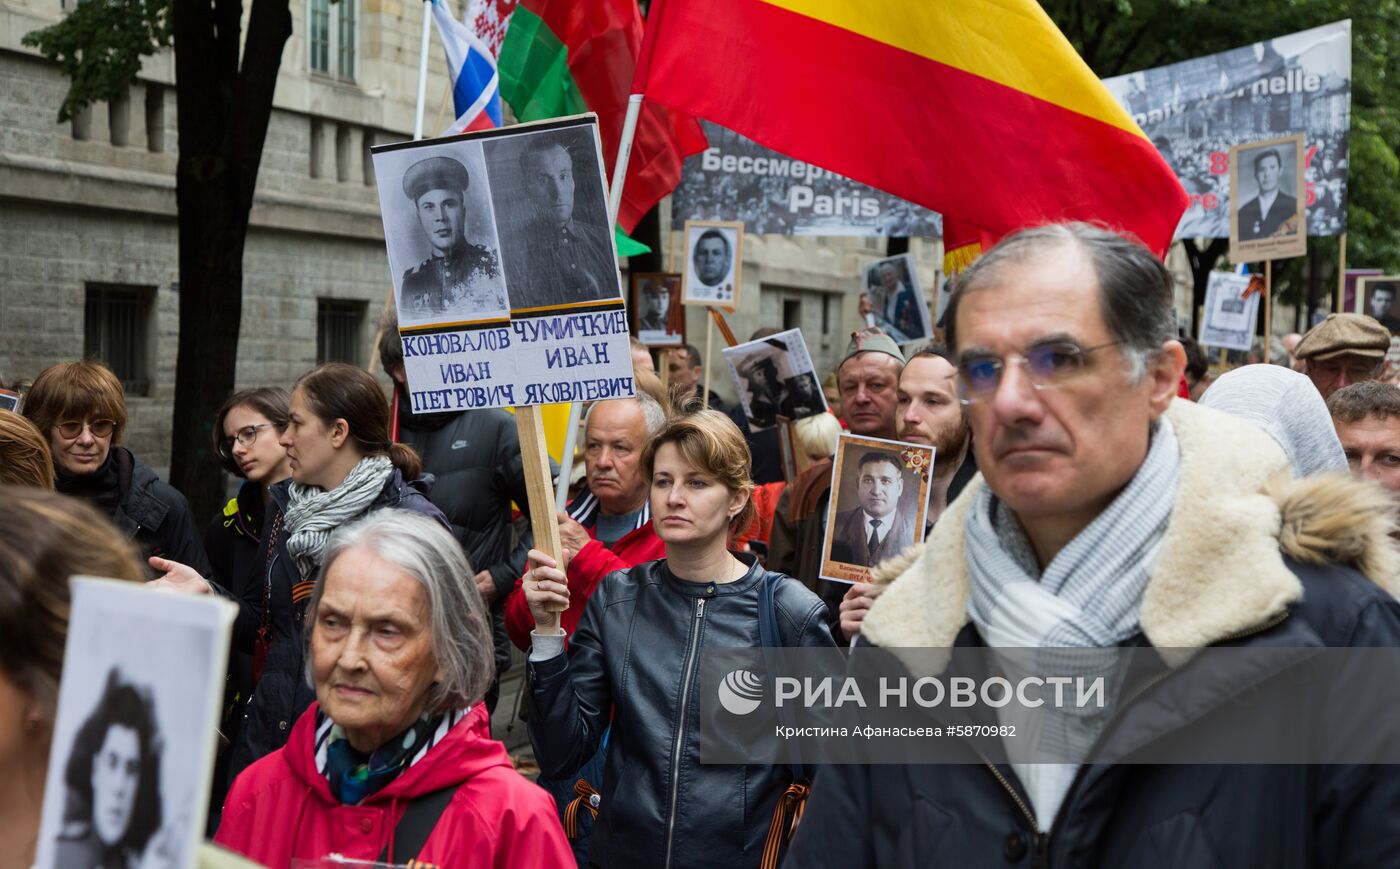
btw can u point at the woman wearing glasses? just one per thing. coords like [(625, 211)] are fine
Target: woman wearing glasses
[(81, 408), (343, 467), (247, 439)]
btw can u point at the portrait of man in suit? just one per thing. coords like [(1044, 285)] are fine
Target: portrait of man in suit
[(876, 529), (1273, 211)]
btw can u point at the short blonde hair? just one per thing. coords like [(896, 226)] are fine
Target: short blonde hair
[(817, 434), (713, 444), (25, 459), (76, 390)]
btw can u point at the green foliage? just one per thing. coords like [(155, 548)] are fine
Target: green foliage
[(100, 46), (1119, 36)]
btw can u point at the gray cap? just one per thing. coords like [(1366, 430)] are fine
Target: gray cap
[(434, 173), (1340, 334)]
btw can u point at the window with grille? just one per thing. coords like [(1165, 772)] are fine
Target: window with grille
[(116, 323), (331, 37), (338, 324)]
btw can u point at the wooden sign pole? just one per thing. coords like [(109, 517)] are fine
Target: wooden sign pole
[(1268, 310), (535, 459), (1340, 298), (709, 349)]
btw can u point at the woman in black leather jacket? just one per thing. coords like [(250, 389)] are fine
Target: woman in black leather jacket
[(633, 663)]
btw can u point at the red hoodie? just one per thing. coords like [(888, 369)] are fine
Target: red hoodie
[(281, 808), (593, 562)]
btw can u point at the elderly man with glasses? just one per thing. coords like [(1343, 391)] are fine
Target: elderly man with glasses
[(1110, 514)]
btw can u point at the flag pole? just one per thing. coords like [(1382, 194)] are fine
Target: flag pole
[(422, 71), (624, 154)]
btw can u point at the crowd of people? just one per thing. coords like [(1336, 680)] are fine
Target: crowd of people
[(1092, 487)]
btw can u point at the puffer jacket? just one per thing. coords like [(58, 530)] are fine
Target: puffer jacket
[(1250, 558), (641, 634), (282, 808), (154, 515), (283, 693)]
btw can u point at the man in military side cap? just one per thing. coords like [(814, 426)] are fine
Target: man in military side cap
[(563, 255), (459, 277)]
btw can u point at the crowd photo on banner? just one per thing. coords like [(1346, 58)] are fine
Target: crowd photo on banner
[(639, 464)]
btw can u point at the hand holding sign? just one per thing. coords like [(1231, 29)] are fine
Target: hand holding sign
[(546, 590)]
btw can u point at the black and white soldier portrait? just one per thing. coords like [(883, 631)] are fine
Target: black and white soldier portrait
[(657, 314), (774, 377), (549, 198), (444, 254), (458, 276)]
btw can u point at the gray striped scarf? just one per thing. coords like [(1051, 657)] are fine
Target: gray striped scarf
[(1088, 597), (314, 512)]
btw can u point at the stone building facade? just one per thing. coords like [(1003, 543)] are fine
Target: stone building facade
[(88, 246)]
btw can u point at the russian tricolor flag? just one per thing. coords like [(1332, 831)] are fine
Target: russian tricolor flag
[(476, 91)]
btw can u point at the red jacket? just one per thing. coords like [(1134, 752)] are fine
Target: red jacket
[(281, 808), (593, 562)]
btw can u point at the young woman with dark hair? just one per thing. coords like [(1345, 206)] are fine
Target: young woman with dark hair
[(343, 466)]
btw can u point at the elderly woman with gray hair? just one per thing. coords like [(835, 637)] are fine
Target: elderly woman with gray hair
[(394, 761)]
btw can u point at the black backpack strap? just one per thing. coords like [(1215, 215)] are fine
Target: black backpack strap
[(770, 637), (416, 825)]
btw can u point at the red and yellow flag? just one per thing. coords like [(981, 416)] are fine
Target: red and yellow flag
[(975, 108)]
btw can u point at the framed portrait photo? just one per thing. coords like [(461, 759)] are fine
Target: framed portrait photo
[(1268, 218), (879, 502), (658, 319), (895, 299), (713, 258), (1377, 295)]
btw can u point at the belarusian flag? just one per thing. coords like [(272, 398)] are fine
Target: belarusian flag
[(563, 57)]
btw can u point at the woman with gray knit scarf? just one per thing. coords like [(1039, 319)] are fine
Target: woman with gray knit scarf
[(343, 467)]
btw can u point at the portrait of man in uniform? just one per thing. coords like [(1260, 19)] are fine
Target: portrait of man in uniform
[(557, 243), (459, 278)]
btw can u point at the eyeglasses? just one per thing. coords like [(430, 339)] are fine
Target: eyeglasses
[(100, 428), (1047, 366), (1356, 369), (244, 436)]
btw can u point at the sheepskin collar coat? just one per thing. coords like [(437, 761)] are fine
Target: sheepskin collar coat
[(1222, 571), (1250, 557)]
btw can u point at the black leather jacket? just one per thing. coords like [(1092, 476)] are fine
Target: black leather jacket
[(641, 635)]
